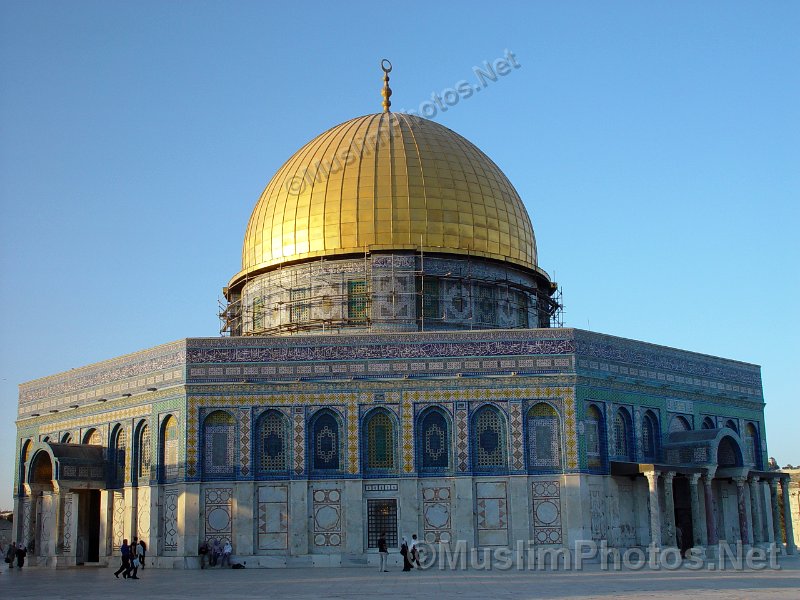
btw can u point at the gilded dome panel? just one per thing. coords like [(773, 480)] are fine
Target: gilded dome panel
[(388, 181)]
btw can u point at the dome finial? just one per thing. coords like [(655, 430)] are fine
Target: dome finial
[(387, 91)]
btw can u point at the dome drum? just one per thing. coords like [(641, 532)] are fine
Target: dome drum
[(392, 292)]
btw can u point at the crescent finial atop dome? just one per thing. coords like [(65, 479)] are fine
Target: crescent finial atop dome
[(386, 92)]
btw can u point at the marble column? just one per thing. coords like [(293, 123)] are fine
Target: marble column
[(655, 512), (70, 533), (698, 527), (741, 505), (755, 503), (711, 521), (776, 513), (670, 539), (47, 537), (787, 516), (106, 525), (766, 497)]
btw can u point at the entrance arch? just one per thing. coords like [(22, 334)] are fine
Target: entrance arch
[(40, 473), (36, 532), (62, 502)]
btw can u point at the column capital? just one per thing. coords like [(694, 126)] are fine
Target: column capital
[(753, 479), (668, 476), (652, 475), (773, 483), (693, 478), (740, 481)]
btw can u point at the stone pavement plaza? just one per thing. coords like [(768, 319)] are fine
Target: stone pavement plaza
[(592, 582)]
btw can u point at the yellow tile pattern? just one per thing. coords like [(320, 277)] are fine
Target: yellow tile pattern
[(352, 434), (408, 434), (128, 433), (570, 428), (388, 181)]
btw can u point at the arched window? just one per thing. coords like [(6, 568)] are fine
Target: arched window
[(729, 454), (622, 434), (272, 452), (488, 440), (650, 436), (144, 454), (678, 424), (24, 455), (544, 438), (66, 438), (219, 441), (118, 441), (325, 444), (42, 469), (379, 453), (708, 423), (751, 445), (169, 448), (595, 437), (731, 424), (433, 442), (92, 438)]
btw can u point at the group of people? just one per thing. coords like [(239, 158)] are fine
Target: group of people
[(133, 557), (14, 553), (215, 554), (409, 552)]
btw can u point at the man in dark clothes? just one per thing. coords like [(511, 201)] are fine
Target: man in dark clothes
[(22, 552), (125, 567), (203, 551), (383, 550)]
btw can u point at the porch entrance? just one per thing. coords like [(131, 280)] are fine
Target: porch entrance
[(683, 513), (88, 507)]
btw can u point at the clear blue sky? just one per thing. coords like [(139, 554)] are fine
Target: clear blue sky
[(656, 146)]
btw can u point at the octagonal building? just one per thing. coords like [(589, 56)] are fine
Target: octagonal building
[(391, 363)]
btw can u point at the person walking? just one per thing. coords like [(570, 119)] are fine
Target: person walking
[(143, 553), (383, 550), (406, 553), (140, 550), (21, 552), (133, 565), (136, 560), (414, 550), (125, 554)]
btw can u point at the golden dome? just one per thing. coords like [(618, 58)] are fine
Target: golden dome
[(388, 181)]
